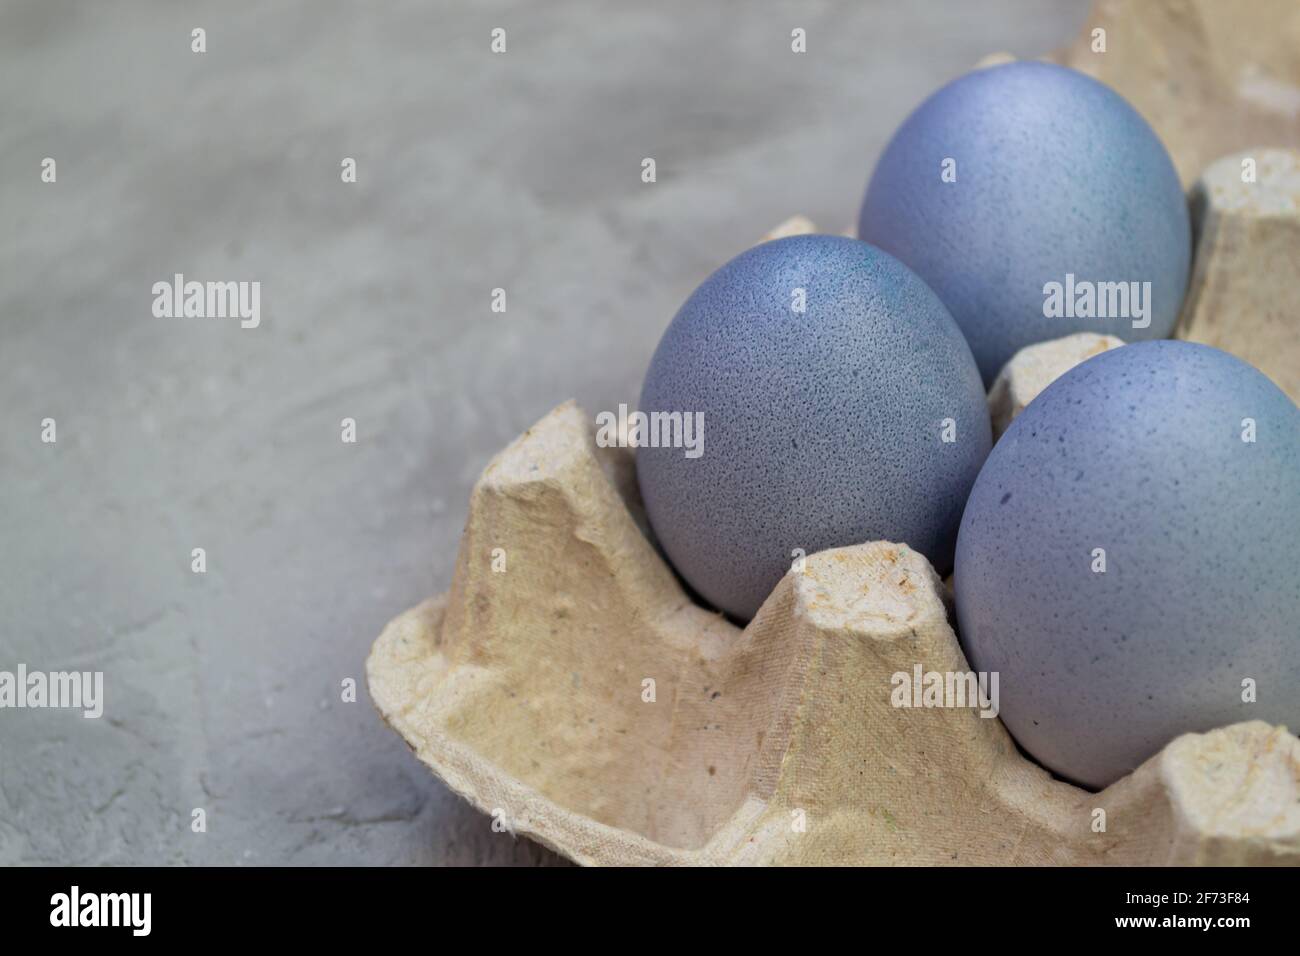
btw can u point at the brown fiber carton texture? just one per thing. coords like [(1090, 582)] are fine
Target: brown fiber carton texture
[(569, 687)]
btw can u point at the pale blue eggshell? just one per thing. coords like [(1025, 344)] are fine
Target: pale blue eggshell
[(822, 428), (1055, 174), (1137, 451)]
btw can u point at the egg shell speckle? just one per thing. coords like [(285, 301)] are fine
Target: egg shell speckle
[(822, 428), (1137, 451), (1055, 174)]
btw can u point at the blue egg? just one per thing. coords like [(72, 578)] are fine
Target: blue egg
[(1031, 198), (1127, 559), (839, 403)]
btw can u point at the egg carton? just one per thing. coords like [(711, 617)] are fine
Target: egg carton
[(568, 686)]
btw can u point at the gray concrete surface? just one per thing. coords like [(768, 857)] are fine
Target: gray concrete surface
[(475, 171)]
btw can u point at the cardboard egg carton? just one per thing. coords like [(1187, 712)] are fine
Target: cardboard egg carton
[(1245, 286), (568, 686)]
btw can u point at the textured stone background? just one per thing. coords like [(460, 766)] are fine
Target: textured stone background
[(476, 171)]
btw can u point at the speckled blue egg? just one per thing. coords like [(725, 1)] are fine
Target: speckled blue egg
[(1137, 453), (823, 425), (1055, 175)]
